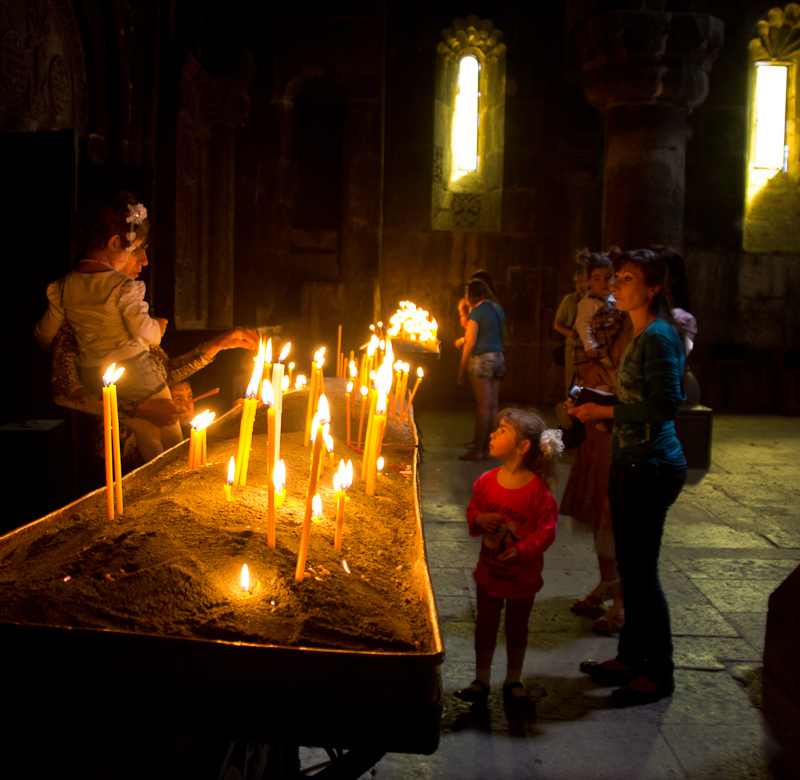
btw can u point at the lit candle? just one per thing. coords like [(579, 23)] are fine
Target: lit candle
[(268, 401), (323, 413), (364, 392), (413, 393), (312, 389), (339, 354), (279, 482), (300, 382), (277, 396), (347, 415), (244, 580), (231, 474), (249, 417), (341, 482), (197, 438), (379, 465), (111, 439), (373, 403), (374, 445), (401, 395)]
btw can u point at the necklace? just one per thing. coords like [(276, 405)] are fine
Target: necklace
[(100, 262)]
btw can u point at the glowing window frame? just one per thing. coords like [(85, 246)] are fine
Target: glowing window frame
[(772, 117), (466, 131)]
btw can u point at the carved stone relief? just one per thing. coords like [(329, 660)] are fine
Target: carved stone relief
[(42, 72)]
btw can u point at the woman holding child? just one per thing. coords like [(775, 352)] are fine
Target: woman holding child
[(648, 470), (97, 315)]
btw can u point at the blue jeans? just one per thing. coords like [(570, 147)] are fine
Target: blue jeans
[(640, 495)]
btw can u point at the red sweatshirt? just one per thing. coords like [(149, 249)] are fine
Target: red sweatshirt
[(530, 515)]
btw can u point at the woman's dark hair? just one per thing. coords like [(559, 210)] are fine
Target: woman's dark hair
[(99, 221), (485, 277), (596, 260), (478, 290), (656, 274), (679, 283)]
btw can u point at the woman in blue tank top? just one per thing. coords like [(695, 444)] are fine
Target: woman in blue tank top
[(483, 362)]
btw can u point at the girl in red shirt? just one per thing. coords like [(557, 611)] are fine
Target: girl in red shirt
[(515, 512)]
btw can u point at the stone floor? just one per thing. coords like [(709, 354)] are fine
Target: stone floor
[(732, 537)]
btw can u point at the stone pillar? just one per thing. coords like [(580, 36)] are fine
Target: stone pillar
[(646, 70)]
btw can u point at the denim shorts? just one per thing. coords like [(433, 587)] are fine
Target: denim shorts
[(487, 365)]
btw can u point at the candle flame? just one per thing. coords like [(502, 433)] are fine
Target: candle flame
[(345, 566), (258, 370), (279, 476), (285, 353), (268, 395), (203, 420), (231, 470), (348, 474), (316, 507), (323, 410), (285, 384), (353, 369), (291, 365), (349, 388), (245, 578), (344, 475), (379, 464), (300, 382), (269, 351), (420, 372), (337, 482), (320, 363), (111, 377), (413, 324), (329, 443), (364, 391)]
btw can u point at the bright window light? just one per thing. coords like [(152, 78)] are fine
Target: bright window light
[(465, 118), (770, 116)]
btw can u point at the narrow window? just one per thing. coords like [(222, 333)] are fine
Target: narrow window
[(770, 149), (466, 118)]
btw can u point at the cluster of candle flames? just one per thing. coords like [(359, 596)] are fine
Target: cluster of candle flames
[(408, 323)]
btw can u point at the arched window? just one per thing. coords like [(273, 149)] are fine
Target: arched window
[(466, 118), (469, 121), (772, 199)]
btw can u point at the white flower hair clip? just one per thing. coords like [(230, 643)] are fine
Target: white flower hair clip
[(550, 443), (137, 214)]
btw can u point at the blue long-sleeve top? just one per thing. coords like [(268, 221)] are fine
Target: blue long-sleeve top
[(650, 390)]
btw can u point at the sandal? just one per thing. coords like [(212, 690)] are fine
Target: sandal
[(612, 621), (594, 599), (472, 696), (522, 703)]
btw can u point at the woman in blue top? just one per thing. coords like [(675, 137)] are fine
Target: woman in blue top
[(647, 474), (482, 360)]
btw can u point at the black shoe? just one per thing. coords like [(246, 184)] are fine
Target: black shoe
[(523, 704), (474, 697), (601, 674), (629, 697)]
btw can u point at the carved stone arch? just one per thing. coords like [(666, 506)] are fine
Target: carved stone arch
[(778, 35), (42, 68), (473, 202)]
